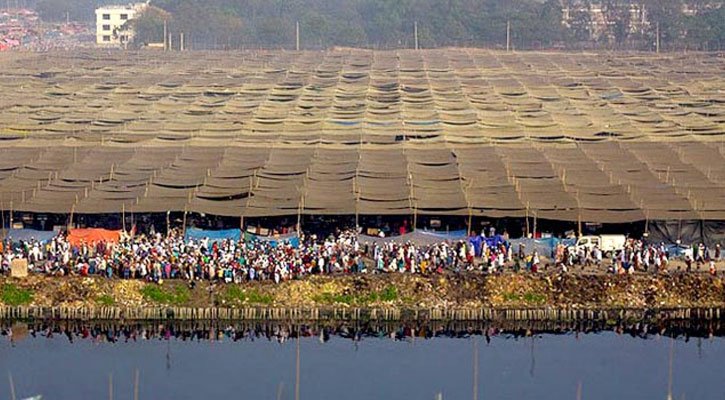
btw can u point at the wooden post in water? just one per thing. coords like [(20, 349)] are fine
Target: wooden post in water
[(475, 368), (297, 367), (669, 372), (135, 386), (12, 386), (110, 386)]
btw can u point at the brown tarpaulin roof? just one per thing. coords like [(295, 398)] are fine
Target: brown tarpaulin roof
[(564, 136)]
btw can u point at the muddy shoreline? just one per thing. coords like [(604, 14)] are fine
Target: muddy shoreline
[(370, 297)]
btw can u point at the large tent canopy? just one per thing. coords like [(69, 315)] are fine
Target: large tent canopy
[(565, 136)]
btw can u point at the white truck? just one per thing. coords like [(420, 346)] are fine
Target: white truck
[(606, 243)]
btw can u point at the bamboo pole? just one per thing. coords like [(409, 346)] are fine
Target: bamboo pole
[(527, 219), (123, 217)]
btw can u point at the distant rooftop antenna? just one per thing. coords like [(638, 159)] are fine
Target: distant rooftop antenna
[(415, 29), (658, 38), (166, 47), (508, 35), (297, 31)]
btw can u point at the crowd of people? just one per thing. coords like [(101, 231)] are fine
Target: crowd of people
[(155, 257), (638, 255)]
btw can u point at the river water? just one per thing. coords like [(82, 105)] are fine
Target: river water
[(390, 363)]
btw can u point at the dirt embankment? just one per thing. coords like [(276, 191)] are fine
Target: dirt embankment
[(393, 290)]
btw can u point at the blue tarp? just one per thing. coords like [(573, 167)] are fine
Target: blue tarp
[(545, 247), (493, 241), (274, 241), (27, 234), (214, 236)]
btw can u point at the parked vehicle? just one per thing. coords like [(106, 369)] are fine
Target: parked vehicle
[(608, 244)]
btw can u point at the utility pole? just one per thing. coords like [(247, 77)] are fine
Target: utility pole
[(508, 35), (166, 47), (415, 29), (170, 42), (658, 38), (297, 30), (181, 41)]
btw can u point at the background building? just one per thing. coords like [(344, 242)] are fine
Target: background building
[(111, 29)]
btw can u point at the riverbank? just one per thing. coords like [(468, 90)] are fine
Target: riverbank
[(389, 291)]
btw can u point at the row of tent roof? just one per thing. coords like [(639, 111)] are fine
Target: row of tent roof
[(612, 181), (459, 94), (588, 137)]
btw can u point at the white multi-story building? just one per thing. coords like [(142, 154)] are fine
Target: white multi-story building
[(110, 21)]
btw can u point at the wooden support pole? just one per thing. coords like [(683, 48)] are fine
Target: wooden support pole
[(299, 218), (579, 224), (70, 219), (470, 219), (527, 219), (183, 229), (168, 223), (2, 215), (123, 217), (535, 220)]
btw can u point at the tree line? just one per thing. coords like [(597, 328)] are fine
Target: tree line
[(535, 24)]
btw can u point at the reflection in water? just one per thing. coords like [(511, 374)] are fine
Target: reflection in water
[(494, 360), (404, 331)]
